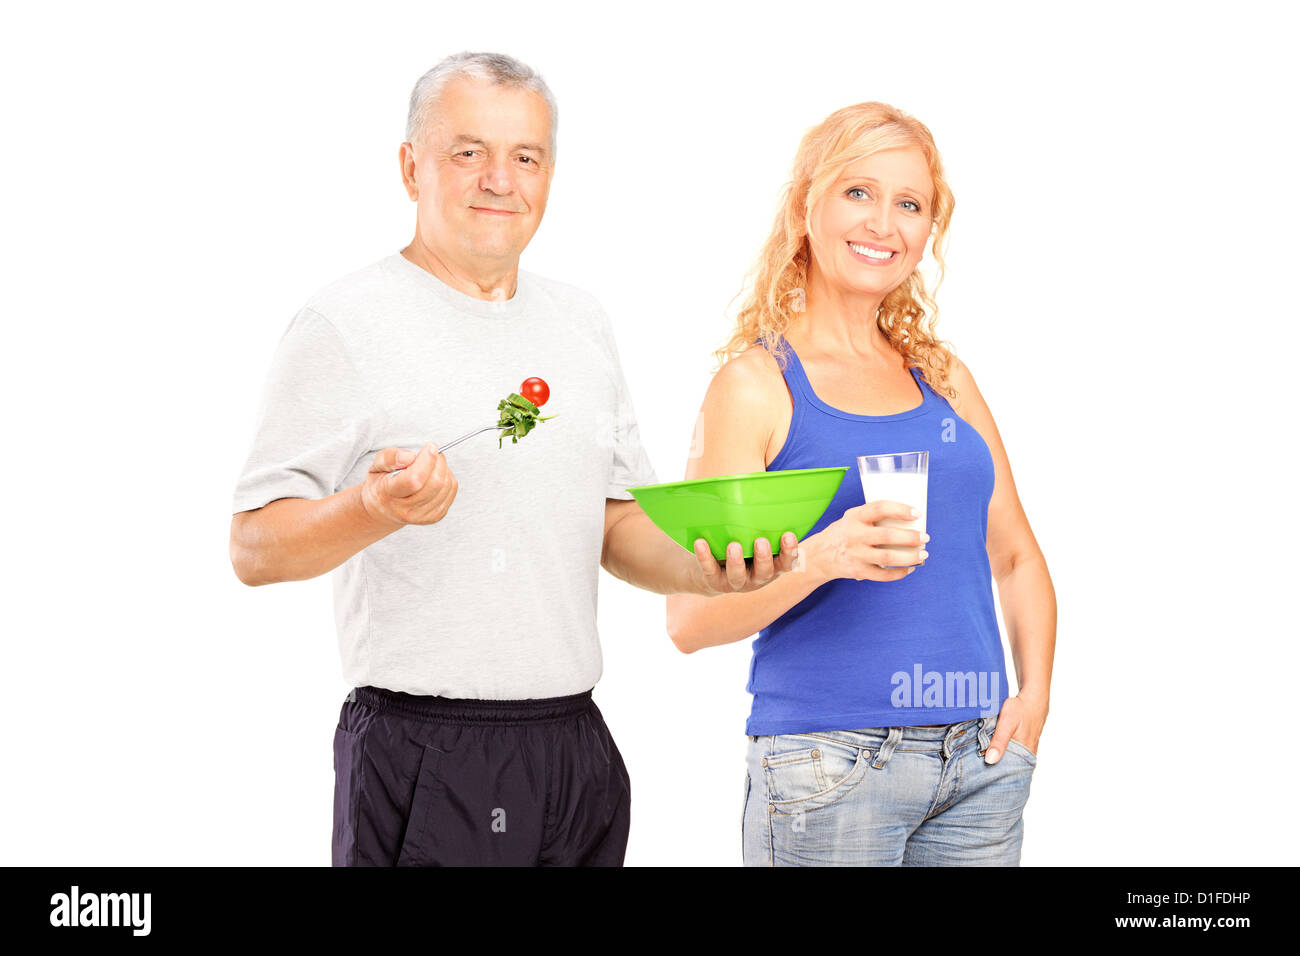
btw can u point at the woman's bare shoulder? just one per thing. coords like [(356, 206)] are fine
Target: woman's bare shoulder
[(960, 378), (742, 411), (751, 374)]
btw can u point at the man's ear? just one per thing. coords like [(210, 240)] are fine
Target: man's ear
[(406, 165)]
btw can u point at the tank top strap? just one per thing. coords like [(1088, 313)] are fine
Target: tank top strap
[(793, 372), (804, 396)]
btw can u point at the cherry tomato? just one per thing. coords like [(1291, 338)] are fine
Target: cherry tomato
[(535, 390)]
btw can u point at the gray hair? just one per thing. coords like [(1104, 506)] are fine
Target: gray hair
[(496, 68)]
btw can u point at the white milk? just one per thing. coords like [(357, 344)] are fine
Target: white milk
[(907, 487)]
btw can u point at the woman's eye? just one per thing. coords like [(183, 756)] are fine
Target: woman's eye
[(915, 206), (857, 192)]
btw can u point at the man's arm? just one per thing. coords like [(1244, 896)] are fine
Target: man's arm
[(636, 551), (660, 565), (294, 539)]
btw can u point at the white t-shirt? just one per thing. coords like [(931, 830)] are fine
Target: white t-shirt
[(497, 601)]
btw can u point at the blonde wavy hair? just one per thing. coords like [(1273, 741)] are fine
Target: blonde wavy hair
[(774, 288)]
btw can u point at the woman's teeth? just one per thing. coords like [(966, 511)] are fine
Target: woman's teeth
[(869, 252)]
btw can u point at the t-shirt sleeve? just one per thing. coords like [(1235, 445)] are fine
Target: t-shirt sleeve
[(314, 421), (630, 466)]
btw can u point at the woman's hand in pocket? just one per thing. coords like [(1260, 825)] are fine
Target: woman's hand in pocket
[(1021, 719)]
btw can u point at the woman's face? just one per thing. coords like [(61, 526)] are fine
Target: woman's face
[(870, 228)]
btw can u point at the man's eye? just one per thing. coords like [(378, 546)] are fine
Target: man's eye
[(526, 159)]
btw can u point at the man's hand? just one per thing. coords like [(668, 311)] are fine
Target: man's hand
[(420, 493), (638, 552), (1021, 719), (737, 577)]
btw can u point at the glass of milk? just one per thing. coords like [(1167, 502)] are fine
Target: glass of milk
[(902, 477)]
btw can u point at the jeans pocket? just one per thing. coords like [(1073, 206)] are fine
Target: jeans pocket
[(801, 777), (1021, 750)]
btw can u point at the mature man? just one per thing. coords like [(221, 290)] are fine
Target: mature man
[(466, 616)]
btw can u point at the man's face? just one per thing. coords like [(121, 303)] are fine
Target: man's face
[(482, 176)]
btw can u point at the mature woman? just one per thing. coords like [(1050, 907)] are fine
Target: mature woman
[(881, 730)]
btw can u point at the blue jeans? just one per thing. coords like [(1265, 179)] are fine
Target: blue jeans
[(887, 796)]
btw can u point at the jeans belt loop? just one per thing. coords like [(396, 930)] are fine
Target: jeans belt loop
[(887, 749)]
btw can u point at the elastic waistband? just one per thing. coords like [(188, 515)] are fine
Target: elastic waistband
[(467, 711)]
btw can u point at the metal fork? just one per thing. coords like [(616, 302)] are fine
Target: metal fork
[(457, 441)]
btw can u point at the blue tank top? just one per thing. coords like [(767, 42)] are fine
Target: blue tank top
[(922, 650)]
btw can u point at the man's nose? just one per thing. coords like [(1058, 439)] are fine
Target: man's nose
[(497, 177)]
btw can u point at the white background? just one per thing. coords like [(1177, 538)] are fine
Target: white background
[(179, 178)]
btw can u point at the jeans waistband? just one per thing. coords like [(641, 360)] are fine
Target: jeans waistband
[(934, 735), (886, 740), (924, 738), (468, 711)]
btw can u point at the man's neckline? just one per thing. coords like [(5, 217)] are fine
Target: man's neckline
[(490, 308)]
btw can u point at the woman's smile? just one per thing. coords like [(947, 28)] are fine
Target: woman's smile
[(871, 254)]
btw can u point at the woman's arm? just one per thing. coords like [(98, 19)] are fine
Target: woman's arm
[(1024, 584)]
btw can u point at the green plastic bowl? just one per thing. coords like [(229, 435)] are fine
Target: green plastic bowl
[(764, 504)]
